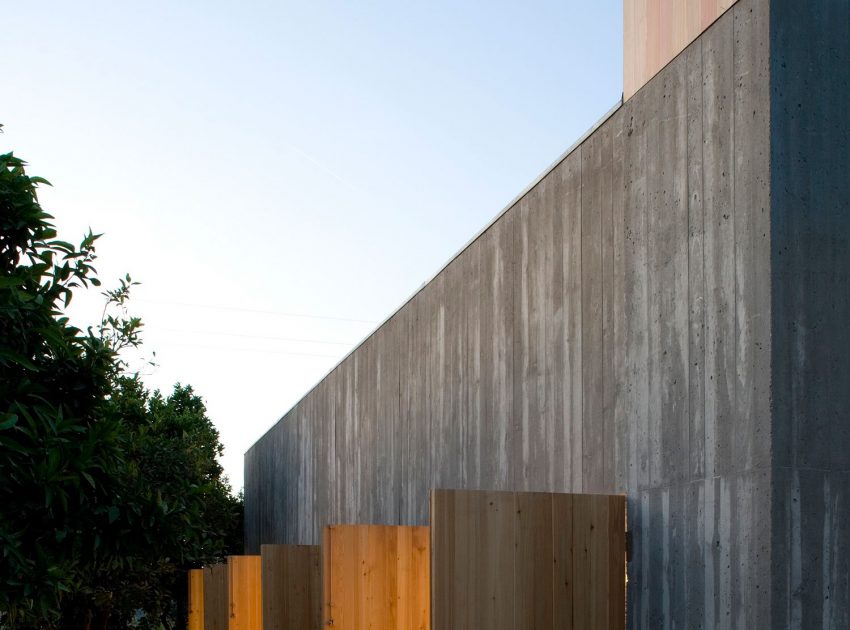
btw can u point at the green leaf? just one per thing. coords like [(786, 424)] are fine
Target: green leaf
[(7, 421)]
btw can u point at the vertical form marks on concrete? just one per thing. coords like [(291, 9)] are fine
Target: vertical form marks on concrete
[(471, 396), (418, 437), (719, 245), (556, 386), (569, 178), (618, 452), (668, 230), (696, 263), (810, 248), (595, 204)]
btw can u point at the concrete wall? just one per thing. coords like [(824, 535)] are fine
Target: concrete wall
[(609, 333), (810, 174)]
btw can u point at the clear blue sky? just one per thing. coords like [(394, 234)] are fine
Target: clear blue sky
[(250, 161)]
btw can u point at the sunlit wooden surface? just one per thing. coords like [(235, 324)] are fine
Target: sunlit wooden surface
[(655, 31), (245, 592), (376, 576), (196, 599)]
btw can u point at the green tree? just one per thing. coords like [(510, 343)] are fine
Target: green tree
[(57, 455), (107, 492)]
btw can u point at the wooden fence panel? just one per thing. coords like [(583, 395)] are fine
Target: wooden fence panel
[(376, 576), (245, 592), (216, 612), (196, 599), (505, 560), (292, 587)]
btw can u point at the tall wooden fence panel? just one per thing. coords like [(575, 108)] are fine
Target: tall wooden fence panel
[(376, 576), (196, 599), (506, 560), (216, 612), (292, 587), (245, 592)]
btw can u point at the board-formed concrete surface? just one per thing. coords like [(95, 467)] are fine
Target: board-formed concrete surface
[(810, 185), (663, 314)]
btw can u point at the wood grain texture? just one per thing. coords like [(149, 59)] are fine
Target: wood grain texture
[(655, 31), (245, 592), (292, 587), (376, 576), (506, 560), (216, 598), (196, 599)]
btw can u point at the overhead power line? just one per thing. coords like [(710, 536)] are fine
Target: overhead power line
[(218, 307), (244, 336)]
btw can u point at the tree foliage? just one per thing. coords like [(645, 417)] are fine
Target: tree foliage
[(107, 492)]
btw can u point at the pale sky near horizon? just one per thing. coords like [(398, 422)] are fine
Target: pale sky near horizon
[(281, 176)]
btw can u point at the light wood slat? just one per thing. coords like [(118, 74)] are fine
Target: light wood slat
[(292, 588), (563, 588), (196, 599), (376, 576), (245, 592)]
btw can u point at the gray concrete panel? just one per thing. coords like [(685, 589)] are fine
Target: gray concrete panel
[(810, 249), (607, 333)]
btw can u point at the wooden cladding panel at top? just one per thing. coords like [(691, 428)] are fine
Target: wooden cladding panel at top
[(655, 31), (196, 599), (376, 576), (505, 560), (292, 587)]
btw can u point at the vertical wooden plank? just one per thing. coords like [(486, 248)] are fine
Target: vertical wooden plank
[(245, 592), (563, 586), (582, 561), (196, 599), (376, 576), (534, 588), (216, 599), (291, 587), (473, 559), (413, 578), (616, 562), (327, 553), (599, 544)]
